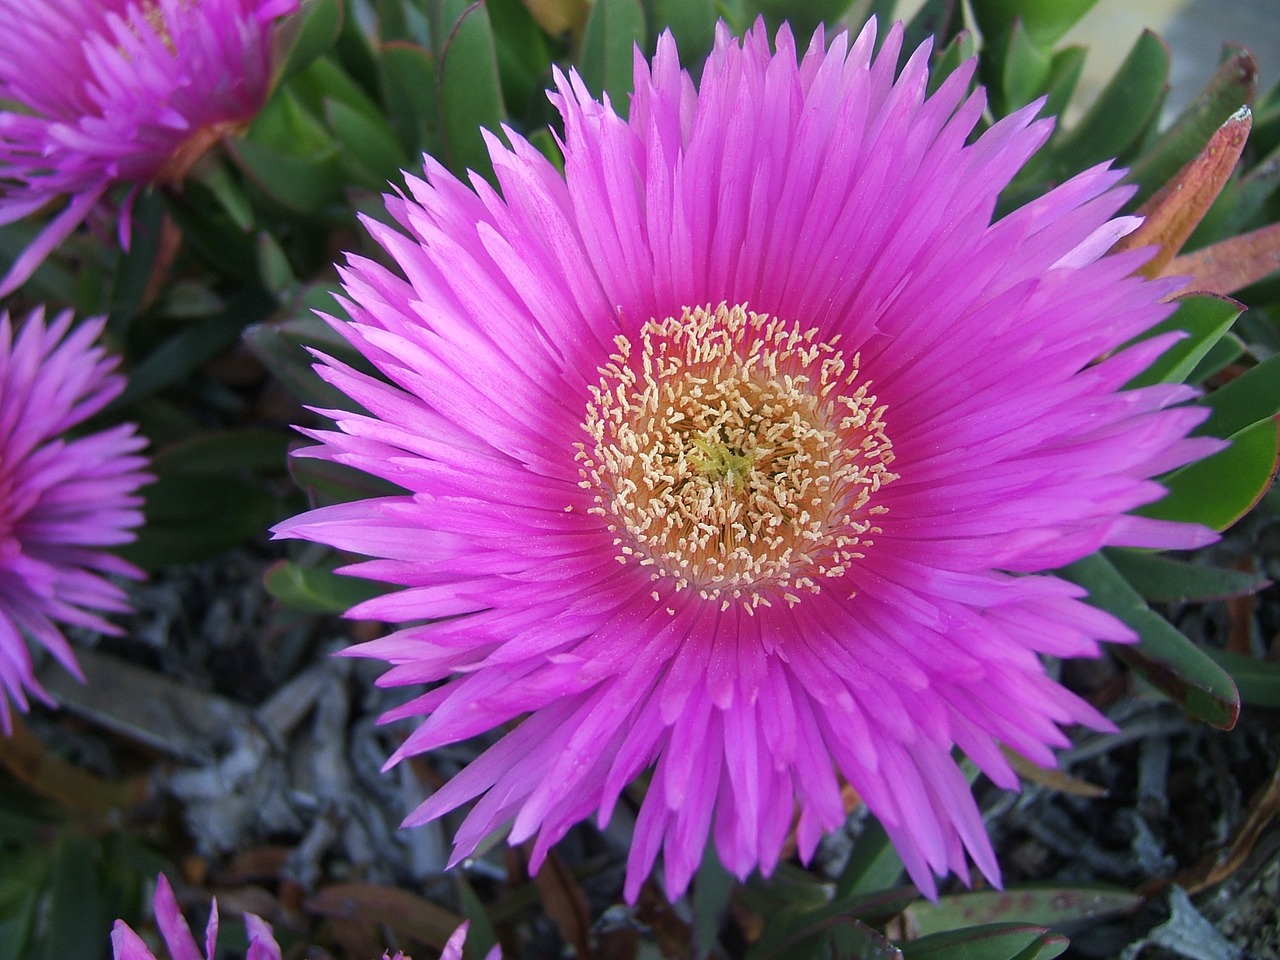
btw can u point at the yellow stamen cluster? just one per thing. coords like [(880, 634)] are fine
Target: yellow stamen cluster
[(735, 454)]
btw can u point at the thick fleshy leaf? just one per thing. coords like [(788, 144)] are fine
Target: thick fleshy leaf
[(1046, 21), (559, 16), (282, 345), (325, 482), (1250, 397), (1220, 489), (470, 90), (1175, 210), (77, 909), (1058, 907), (832, 928), (873, 865), (1204, 320), (316, 589), (274, 268), (692, 23), (184, 352), (524, 57), (712, 888), (803, 15), (224, 451), (1027, 68), (368, 140), (1118, 120), (135, 275), (1232, 264), (307, 35), (936, 20), (1000, 941), (1235, 83), (408, 80), (961, 48), (191, 518), (1163, 655), (608, 49), (299, 184), (1257, 680), (1221, 355), (1161, 579), (1064, 76), (399, 909)]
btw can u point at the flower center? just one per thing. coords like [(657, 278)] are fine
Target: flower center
[(736, 454)]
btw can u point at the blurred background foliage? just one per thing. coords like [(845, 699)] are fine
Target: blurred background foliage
[(213, 302)]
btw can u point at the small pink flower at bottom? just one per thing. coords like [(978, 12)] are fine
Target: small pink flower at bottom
[(453, 949), (127, 945)]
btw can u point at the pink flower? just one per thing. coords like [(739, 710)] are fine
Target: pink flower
[(736, 454), (107, 92), (63, 502), (453, 949), (127, 945)]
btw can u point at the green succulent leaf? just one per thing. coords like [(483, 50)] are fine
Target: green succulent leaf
[(470, 91), (409, 77), (368, 140), (1161, 579), (318, 590), (1045, 21), (607, 56), (1163, 656), (1126, 109), (1027, 70), (222, 452), (1235, 83), (693, 25), (1250, 397), (1218, 490), (308, 34), (1258, 680), (997, 941), (1205, 320), (873, 865), (191, 518), (1051, 906), (803, 15), (524, 57), (78, 909)]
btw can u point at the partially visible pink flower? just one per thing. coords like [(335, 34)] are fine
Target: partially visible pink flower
[(741, 452), (106, 92), (63, 502), (127, 945), (453, 949)]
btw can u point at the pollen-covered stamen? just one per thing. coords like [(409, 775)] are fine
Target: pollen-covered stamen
[(735, 454)]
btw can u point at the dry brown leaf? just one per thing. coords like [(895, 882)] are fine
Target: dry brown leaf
[(1053, 779), (1216, 867), (565, 904), (1232, 264), (405, 912), (27, 757), (1177, 208)]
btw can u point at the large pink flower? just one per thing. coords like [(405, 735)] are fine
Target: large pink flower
[(105, 92), (63, 502), (725, 454)]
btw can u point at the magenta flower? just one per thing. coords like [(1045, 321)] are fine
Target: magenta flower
[(127, 945), (108, 92), (63, 502), (726, 454)]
